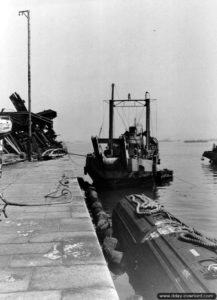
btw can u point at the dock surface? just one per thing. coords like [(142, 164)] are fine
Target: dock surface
[(49, 251)]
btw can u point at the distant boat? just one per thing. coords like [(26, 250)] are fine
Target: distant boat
[(211, 155), (127, 160)]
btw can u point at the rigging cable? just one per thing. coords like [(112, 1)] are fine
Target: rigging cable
[(117, 92), (188, 182), (125, 125), (100, 130), (124, 113), (151, 124), (193, 186), (124, 118), (140, 116)]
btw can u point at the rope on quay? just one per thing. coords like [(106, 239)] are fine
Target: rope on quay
[(64, 192)]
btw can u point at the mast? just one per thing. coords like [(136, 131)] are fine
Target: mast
[(111, 117), (130, 103), (147, 99)]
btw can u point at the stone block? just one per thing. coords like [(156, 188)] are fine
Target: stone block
[(29, 225), (34, 260), (79, 276), (76, 224), (14, 279), (96, 293), (57, 215), (45, 295), (58, 236), (25, 248), (5, 260), (7, 238), (79, 211), (82, 250), (20, 215)]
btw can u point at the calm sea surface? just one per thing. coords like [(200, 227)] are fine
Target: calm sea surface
[(191, 197)]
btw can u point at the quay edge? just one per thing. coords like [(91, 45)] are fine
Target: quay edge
[(49, 252)]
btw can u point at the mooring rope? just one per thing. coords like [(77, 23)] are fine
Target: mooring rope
[(195, 237), (188, 182), (64, 192), (147, 207)]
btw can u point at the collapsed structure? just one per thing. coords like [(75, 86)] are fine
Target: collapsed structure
[(43, 135)]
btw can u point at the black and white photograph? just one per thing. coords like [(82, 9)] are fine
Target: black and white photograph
[(108, 149)]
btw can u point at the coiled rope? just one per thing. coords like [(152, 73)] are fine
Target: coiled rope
[(64, 192), (195, 237), (147, 207), (144, 206), (64, 182)]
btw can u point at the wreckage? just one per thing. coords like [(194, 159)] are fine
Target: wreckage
[(43, 134)]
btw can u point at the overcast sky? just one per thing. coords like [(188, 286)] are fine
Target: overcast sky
[(78, 48)]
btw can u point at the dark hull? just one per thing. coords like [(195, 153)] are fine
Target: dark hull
[(127, 181), (157, 256), (211, 155), (115, 176)]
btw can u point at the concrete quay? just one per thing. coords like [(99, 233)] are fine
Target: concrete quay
[(49, 251)]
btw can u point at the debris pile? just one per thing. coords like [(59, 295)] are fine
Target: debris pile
[(43, 135)]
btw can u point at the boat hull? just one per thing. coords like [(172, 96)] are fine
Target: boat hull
[(126, 181), (115, 176), (155, 254)]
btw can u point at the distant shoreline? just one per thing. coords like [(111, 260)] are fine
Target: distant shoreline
[(196, 141), (189, 141)]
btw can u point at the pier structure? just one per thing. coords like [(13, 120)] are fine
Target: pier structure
[(48, 245)]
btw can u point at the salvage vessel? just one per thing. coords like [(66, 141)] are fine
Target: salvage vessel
[(132, 158), (167, 255)]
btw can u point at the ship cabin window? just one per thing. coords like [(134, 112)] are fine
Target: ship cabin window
[(116, 150)]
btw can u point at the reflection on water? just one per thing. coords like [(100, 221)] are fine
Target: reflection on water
[(210, 170), (191, 197)]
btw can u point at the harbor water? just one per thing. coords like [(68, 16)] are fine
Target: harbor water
[(191, 196)]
